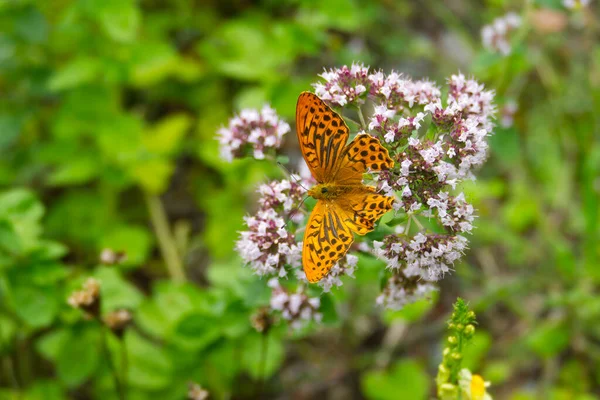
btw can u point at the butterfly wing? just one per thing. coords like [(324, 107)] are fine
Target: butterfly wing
[(322, 135), (362, 207), (326, 239), (362, 153)]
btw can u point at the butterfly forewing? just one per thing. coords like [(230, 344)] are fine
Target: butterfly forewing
[(322, 135), (326, 240)]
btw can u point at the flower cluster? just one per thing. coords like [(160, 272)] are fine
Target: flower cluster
[(267, 246), (436, 143), (344, 85), (435, 147), (117, 321), (252, 132), (400, 291), (496, 36), (398, 92), (426, 257), (87, 299), (297, 308)]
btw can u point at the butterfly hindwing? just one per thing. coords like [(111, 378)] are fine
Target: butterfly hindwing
[(326, 239), (322, 135), (362, 153), (362, 207)]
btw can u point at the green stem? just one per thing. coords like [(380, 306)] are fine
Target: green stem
[(166, 241), (10, 373), (262, 364), (363, 124), (124, 367), (111, 364), (421, 227)]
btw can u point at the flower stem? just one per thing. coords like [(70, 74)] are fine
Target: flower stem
[(113, 370), (124, 366), (363, 124), (9, 367), (262, 364), (166, 240), (419, 224)]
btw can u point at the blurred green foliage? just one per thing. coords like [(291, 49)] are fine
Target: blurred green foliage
[(108, 114)]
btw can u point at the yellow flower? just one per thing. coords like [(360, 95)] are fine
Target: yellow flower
[(472, 386)]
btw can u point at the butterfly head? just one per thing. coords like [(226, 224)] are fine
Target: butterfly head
[(323, 191)]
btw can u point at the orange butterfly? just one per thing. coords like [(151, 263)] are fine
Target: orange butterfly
[(345, 205)]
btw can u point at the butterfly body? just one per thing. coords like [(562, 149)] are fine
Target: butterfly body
[(345, 205), (330, 191)]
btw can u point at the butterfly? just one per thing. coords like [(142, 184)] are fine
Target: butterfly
[(345, 205)]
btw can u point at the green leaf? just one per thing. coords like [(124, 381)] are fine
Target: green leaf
[(548, 339), (164, 137), (170, 302), (9, 329), (77, 72), (152, 174), (24, 211), (152, 62), (116, 291), (260, 357), (119, 18), (10, 243), (149, 366), (79, 356), (51, 343), (406, 380), (135, 241), (196, 331), (43, 389), (77, 170), (37, 305)]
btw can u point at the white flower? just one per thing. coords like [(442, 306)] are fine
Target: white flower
[(472, 386), (495, 36), (259, 131), (396, 294)]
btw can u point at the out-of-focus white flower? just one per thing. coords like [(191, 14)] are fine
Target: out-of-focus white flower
[(472, 386), (507, 113), (197, 392), (399, 291), (252, 132), (345, 266), (496, 36), (87, 299), (576, 4), (297, 308)]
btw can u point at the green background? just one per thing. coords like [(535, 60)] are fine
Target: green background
[(108, 114)]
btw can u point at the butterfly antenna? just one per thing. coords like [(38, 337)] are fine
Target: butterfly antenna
[(293, 212), (291, 175)]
